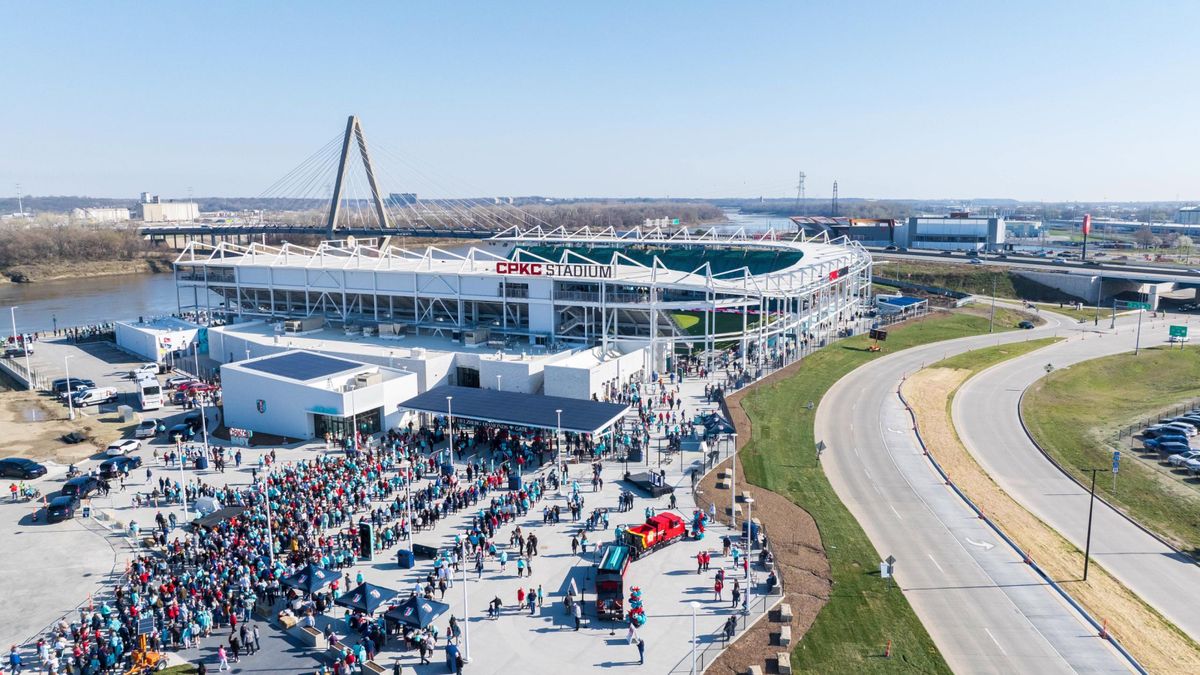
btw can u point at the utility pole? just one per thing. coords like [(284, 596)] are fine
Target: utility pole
[(20, 204), (1087, 549), (835, 204), (992, 318), (1099, 296), (800, 194)]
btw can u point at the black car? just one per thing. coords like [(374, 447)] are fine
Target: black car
[(1025, 325), (19, 467), (81, 487), (16, 352), (119, 465), (185, 432), (63, 384), (61, 508)]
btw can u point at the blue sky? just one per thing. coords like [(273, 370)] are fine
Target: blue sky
[(1055, 101)]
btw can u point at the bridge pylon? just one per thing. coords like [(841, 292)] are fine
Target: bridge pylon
[(354, 130)]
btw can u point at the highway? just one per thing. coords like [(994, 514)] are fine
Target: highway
[(985, 412), (986, 610)]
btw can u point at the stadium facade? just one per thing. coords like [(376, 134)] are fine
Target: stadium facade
[(661, 290)]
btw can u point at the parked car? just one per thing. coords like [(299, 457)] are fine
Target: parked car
[(1160, 430), (81, 487), (16, 352), (1192, 466), (185, 432), (74, 388), (150, 369), (1165, 438), (1181, 458), (1025, 325), (146, 429), (179, 380), (1168, 449), (122, 447), (62, 507), (110, 468), (63, 384), (976, 261), (20, 467)]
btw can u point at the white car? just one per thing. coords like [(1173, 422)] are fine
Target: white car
[(1181, 458), (174, 382), (150, 369), (1193, 466), (122, 447)]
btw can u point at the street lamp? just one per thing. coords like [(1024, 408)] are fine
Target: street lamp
[(1087, 549), (450, 426), (557, 436), (70, 387), (247, 352), (695, 606), (466, 616), (733, 485), (499, 377), (23, 344)]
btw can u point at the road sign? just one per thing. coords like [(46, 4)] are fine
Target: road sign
[(145, 625), (884, 570), (1137, 305), (878, 334), (1178, 331), (1116, 460)]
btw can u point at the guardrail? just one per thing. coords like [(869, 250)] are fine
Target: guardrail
[(1100, 629)]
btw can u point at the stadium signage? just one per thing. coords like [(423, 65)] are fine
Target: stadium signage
[(569, 270)]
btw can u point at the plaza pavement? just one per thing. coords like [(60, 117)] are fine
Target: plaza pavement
[(516, 642)]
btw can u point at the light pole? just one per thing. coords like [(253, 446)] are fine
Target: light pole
[(247, 352), (23, 344), (558, 437), (499, 377), (695, 606), (466, 616), (450, 426), (203, 417), (70, 387), (270, 537)]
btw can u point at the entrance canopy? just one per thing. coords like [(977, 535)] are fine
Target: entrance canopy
[(524, 410)]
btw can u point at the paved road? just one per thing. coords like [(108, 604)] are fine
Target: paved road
[(986, 415), (986, 610)]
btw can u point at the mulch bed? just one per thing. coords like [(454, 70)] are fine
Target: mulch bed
[(799, 555)]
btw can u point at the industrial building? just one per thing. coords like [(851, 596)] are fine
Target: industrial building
[(154, 210), (1188, 215), (531, 310), (160, 339), (101, 214)]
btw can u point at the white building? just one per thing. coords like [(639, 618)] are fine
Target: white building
[(160, 212), (1188, 215), (305, 395), (101, 215), (159, 339)]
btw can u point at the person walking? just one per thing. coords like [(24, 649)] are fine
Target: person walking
[(235, 646), (577, 612), (14, 660), (257, 637), (641, 646), (717, 586), (223, 658), (244, 634)]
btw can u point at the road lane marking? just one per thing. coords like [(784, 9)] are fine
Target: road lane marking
[(895, 512), (997, 642), (981, 544), (935, 563)]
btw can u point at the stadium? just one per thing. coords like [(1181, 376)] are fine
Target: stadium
[(642, 297)]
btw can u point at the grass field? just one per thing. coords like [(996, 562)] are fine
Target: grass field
[(862, 613), (978, 359), (955, 276), (1074, 414)]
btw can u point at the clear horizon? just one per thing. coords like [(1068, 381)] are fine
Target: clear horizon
[(1073, 102)]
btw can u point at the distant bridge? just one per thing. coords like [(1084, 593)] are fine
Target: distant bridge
[(178, 235)]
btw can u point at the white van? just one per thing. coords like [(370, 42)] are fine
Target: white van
[(95, 396)]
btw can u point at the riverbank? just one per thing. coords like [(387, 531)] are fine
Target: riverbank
[(82, 269)]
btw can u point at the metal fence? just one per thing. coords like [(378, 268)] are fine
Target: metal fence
[(1174, 411)]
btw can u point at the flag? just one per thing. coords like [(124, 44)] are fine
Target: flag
[(1087, 223)]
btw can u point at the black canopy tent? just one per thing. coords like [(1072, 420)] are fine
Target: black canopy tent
[(310, 579), (416, 611), (365, 598), (219, 516), (524, 410)]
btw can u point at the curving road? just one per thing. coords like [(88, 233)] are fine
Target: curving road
[(987, 611), (986, 415)]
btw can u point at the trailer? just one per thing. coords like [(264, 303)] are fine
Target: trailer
[(610, 581)]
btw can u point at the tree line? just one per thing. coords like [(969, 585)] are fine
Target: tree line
[(31, 244)]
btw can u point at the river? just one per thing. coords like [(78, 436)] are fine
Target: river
[(79, 302)]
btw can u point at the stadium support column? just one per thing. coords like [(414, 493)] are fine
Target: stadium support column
[(604, 317)]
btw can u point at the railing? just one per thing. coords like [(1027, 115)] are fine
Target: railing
[(30, 378), (711, 645)]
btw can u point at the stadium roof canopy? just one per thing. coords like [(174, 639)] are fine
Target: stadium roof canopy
[(525, 410)]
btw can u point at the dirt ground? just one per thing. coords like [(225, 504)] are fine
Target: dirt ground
[(1155, 642), (32, 424), (799, 555)]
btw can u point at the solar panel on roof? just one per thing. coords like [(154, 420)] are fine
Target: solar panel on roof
[(301, 366)]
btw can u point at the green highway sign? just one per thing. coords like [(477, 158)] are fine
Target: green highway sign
[(1178, 331), (1137, 305)]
